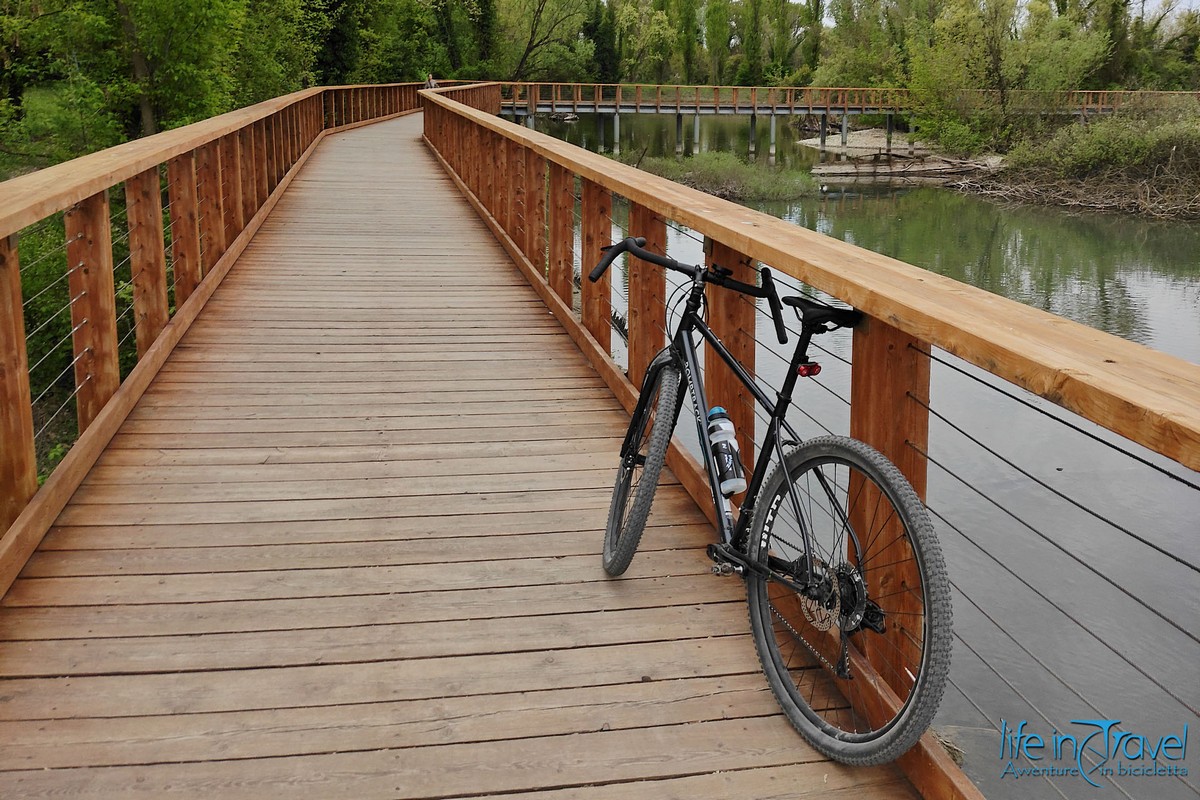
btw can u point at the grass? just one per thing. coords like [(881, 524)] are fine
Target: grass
[(725, 175)]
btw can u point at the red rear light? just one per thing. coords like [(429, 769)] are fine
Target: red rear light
[(809, 370)]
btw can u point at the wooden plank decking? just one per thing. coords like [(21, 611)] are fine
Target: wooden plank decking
[(347, 546)]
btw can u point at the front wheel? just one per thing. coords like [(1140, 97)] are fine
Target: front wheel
[(642, 458), (853, 631)]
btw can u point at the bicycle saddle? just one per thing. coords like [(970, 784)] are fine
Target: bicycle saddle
[(814, 313)]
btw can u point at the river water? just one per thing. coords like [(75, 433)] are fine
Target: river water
[(1073, 564)]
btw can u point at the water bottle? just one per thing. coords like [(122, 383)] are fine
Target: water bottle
[(725, 452)]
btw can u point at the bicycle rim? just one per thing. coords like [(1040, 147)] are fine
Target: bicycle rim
[(879, 605)]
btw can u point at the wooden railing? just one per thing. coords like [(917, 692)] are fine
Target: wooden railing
[(523, 184), (592, 97), (219, 179)]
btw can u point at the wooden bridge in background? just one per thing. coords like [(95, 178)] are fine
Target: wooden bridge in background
[(523, 101), (336, 534), (615, 98)]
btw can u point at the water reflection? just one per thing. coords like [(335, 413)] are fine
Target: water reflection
[(1137, 279)]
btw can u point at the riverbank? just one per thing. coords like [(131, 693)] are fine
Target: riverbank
[(1161, 197), (1145, 163), (1137, 161), (866, 156)]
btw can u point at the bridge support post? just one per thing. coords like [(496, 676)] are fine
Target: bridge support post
[(753, 134), (616, 134), (824, 128), (696, 134), (679, 134), (771, 153), (890, 126), (845, 129)]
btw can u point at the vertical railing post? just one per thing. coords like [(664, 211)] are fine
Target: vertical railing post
[(562, 233), (492, 167), (502, 185), (185, 233), (18, 458), (147, 257), (93, 307), (289, 139), (647, 293), (535, 209), (262, 165), (249, 173), (732, 317), (595, 299), (231, 173), (211, 213), (889, 383), (889, 390), (518, 218), (271, 134)]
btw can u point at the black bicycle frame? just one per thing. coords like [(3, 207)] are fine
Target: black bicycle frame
[(683, 347)]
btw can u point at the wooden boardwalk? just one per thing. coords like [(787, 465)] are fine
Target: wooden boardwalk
[(347, 546)]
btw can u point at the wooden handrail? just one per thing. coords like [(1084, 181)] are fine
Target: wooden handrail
[(222, 177)]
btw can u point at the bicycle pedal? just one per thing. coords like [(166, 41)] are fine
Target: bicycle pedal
[(724, 569)]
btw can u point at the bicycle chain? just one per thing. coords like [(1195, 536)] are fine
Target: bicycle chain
[(803, 641)]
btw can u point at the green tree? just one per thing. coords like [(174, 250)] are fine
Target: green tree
[(400, 40), (688, 40), (749, 32), (600, 29), (647, 36), (861, 50), (339, 50), (277, 50), (541, 39), (717, 17)]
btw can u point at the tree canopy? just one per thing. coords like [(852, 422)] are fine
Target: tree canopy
[(81, 75)]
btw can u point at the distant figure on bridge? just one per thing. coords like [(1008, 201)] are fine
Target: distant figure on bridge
[(430, 83)]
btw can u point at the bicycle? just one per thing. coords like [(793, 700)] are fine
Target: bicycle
[(845, 579)]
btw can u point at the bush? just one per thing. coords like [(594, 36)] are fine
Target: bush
[(1137, 140)]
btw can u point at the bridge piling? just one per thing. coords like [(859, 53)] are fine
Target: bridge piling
[(771, 154)]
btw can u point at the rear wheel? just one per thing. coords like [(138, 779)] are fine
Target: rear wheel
[(854, 632), (642, 459)]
